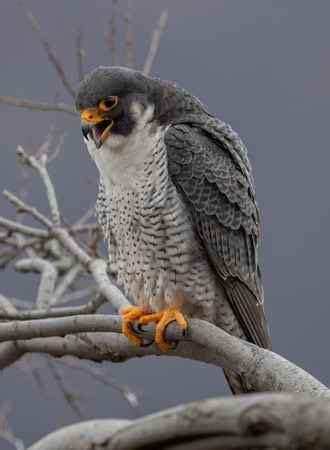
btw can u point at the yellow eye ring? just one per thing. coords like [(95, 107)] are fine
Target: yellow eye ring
[(108, 103)]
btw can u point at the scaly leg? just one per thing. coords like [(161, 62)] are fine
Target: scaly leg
[(162, 319)]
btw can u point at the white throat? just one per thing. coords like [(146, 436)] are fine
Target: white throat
[(121, 159)]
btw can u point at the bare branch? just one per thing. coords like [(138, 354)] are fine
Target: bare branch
[(23, 207), (263, 370), (129, 42), (83, 228), (30, 329), (65, 283), (43, 149), (6, 432), (89, 308), (71, 245), (53, 59), (80, 53), (9, 354), (282, 421), (97, 267), (111, 35), (78, 295), (40, 166), (69, 396), (88, 435), (37, 106), (98, 374), (83, 219), (262, 420), (48, 278), (154, 43), (57, 150), (24, 229)]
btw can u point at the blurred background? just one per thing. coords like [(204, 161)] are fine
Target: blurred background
[(262, 66)]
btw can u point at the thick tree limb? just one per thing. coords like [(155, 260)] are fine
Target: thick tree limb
[(263, 370), (86, 435), (283, 421)]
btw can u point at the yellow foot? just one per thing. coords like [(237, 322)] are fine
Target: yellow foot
[(130, 315), (163, 318)]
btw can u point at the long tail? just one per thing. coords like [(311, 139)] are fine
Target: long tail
[(236, 383), (250, 316)]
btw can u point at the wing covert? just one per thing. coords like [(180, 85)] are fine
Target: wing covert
[(220, 195)]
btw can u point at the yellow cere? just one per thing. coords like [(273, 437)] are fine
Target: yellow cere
[(91, 115)]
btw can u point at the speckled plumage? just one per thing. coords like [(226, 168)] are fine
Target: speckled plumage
[(177, 205)]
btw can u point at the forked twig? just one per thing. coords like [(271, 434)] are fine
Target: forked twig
[(40, 166)]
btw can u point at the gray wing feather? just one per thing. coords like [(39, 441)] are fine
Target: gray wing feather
[(216, 183)]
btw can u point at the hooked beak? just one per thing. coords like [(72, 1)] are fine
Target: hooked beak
[(95, 126)]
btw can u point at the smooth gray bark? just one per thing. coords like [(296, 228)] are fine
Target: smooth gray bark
[(89, 435), (263, 370), (283, 421)]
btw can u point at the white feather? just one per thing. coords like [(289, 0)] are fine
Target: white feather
[(120, 160)]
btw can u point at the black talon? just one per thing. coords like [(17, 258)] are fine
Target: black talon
[(147, 343), (139, 327)]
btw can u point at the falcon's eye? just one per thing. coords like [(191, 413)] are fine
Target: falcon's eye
[(108, 103)]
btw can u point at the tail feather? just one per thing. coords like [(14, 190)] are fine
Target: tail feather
[(236, 382)]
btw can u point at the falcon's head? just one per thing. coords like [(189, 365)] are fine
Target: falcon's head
[(113, 101)]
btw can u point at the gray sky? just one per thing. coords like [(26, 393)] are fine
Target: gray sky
[(261, 65)]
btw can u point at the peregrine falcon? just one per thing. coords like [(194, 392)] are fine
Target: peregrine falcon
[(177, 206)]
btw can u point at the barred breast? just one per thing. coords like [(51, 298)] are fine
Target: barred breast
[(159, 259)]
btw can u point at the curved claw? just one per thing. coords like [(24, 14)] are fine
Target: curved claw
[(171, 314), (127, 330), (129, 316), (144, 317)]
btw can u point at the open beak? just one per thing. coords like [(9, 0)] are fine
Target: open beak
[(95, 126)]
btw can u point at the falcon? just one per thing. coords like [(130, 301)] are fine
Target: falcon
[(177, 206)]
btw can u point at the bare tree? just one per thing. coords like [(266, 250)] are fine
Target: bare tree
[(292, 409)]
